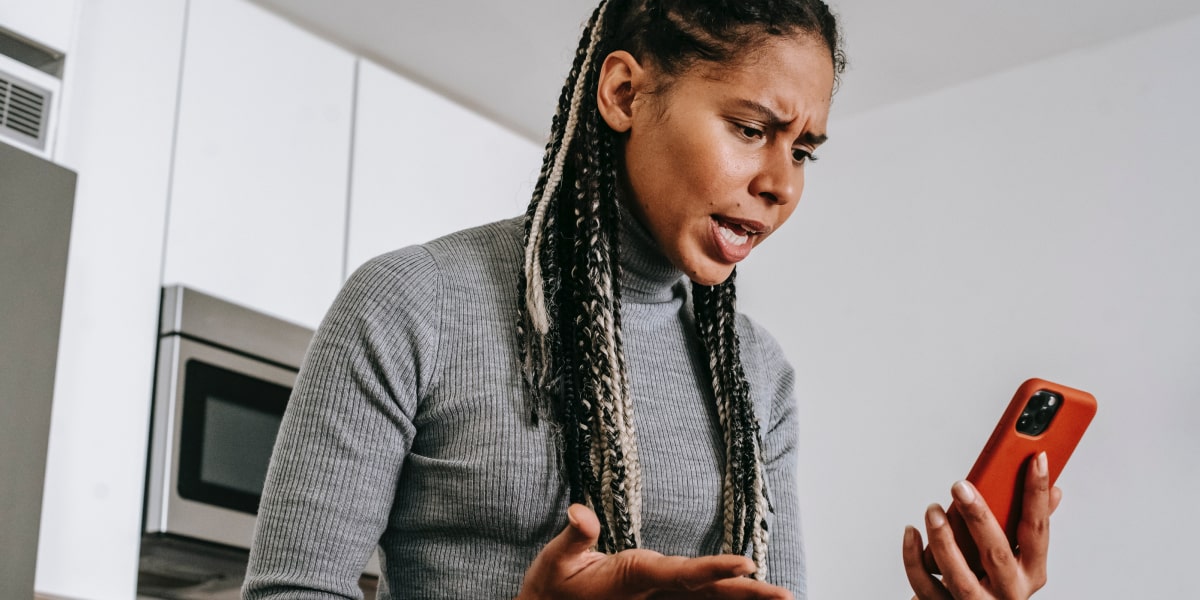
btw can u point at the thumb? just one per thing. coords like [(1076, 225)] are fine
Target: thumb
[(580, 534)]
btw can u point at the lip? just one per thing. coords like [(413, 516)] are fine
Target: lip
[(758, 227), (727, 252)]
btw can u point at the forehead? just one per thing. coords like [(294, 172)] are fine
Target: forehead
[(787, 74)]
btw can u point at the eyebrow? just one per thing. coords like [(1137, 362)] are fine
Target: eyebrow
[(770, 118)]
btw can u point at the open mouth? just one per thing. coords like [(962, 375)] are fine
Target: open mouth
[(734, 234), (734, 237), (738, 231)]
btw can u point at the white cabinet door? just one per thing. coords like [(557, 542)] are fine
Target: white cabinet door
[(424, 167), (47, 22), (258, 198), (118, 112)]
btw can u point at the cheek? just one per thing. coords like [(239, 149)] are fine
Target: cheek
[(687, 174), (718, 175)]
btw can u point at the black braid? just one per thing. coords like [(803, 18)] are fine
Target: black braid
[(716, 320)]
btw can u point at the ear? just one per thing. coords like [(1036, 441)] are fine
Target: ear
[(620, 76)]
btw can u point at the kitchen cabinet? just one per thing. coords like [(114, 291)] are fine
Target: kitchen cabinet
[(425, 166), (262, 154), (118, 113), (47, 22)]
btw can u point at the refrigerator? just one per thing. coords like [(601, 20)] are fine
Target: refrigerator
[(36, 204)]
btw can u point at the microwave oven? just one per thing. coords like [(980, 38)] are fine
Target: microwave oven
[(223, 379)]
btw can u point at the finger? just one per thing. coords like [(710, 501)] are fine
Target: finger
[(930, 562), (740, 588), (580, 534), (923, 583), (653, 571), (995, 551), (1055, 499), (957, 577), (1033, 532)]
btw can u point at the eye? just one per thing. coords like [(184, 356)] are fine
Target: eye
[(749, 131), (801, 156)]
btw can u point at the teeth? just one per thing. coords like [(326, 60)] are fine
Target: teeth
[(732, 237)]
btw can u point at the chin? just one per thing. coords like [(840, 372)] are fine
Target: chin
[(711, 275)]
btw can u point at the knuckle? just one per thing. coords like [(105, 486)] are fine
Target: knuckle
[(1000, 556), (976, 512), (1035, 528), (681, 583), (1039, 526), (957, 587)]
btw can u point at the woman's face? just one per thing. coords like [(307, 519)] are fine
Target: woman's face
[(715, 163)]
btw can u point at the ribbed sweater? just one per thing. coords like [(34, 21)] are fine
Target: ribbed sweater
[(409, 428)]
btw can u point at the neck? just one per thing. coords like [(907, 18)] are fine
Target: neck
[(646, 274)]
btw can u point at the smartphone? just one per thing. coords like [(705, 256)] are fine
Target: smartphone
[(1043, 416)]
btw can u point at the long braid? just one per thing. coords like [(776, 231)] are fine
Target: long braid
[(541, 235), (535, 297), (594, 250), (541, 342), (573, 360), (609, 188), (745, 497), (570, 331)]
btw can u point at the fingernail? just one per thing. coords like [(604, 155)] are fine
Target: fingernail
[(934, 517), (745, 569), (1042, 467), (910, 535), (571, 517), (963, 492)]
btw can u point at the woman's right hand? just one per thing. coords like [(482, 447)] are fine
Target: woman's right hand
[(567, 568)]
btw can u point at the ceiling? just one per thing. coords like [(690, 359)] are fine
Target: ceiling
[(507, 58)]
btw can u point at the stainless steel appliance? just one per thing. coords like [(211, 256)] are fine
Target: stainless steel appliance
[(224, 376)]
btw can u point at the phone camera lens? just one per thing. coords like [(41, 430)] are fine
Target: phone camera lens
[(1043, 417)]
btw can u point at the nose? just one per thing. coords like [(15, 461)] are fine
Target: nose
[(779, 179)]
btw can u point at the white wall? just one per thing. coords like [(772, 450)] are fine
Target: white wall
[(1041, 222)]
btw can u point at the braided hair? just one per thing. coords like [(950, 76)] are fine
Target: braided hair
[(570, 318)]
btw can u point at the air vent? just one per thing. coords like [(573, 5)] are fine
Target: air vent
[(23, 111)]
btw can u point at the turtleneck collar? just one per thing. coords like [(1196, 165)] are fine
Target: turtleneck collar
[(646, 274)]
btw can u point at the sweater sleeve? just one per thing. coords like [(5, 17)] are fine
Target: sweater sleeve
[(346, 432), (774, 381)]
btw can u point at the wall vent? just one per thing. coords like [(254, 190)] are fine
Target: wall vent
[(27, 100), (23, 110)]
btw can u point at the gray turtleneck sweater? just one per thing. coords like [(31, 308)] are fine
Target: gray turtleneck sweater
[(409, 429)]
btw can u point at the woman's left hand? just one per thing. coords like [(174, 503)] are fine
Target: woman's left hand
[(1007, 575)]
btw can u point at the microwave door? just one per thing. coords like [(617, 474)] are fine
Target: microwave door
[(216, 416)]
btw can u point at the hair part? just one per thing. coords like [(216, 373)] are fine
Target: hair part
[(569, 329)]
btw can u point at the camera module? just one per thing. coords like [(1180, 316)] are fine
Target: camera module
[(1039, 413)]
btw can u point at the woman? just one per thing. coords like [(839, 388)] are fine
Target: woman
[(461, 395)]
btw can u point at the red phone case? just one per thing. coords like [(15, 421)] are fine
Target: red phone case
[(999, 472)]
